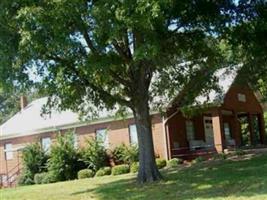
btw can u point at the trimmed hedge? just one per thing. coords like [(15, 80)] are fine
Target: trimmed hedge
[(120, 169), (134, 167), (103, 171), (85, 173), (43, 178), (161, 163), (174, 162)]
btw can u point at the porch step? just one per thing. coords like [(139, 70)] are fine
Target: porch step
[(191, 155)]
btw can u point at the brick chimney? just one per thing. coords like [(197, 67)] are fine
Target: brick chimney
[(23, 102)]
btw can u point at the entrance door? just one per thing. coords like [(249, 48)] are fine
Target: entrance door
[(209, 134)]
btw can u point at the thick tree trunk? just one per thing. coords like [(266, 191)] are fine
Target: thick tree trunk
[(148, 171)]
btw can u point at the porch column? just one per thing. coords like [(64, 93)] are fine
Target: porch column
[(168, 140), (237, 130), (262, 128), (251, 129), (218, 130)]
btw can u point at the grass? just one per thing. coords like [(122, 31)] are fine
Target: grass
[(216, 180)]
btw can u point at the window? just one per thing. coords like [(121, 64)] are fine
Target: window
[(241, 97), (133, 134), (102, 136), (227, 131), (9, 151), (46, 143), (190, 130)]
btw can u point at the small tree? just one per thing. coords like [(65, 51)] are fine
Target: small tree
[(94, 154), (64, 162), (34, 161)]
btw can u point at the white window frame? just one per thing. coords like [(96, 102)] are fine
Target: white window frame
[(133, 134), (9, 151), (46, 146), (241, 97), (102, 132)]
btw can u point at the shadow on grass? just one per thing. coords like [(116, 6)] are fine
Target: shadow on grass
[(206, 180)]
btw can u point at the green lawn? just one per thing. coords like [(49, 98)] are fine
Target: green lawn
[(235, 180)]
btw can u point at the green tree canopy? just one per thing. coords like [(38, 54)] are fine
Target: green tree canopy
[(127, 54)]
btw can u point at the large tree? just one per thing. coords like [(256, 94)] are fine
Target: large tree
[(247, 39), (115, 54)]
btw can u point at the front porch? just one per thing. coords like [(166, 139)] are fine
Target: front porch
[(213, 132)]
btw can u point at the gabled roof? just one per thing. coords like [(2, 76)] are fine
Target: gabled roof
[(29, 120), (225, 78)]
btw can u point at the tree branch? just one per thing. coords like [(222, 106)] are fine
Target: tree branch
[(105, 94), (121, 52)]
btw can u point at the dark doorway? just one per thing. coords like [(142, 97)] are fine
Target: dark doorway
[(256, 130), (245, 133)]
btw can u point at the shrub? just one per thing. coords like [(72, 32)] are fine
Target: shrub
[(134, 167), (240, 152), (64, 162), (85, 173), (48, 178), (120, 169), (94, 154), (43, 178), (174, 162), (125, 154), (103, 171), (161, 163), (38, 178), (199, 159), (25, 178), (220, 156), (34, 161)]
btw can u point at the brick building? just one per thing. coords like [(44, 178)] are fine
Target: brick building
[(233, 118)]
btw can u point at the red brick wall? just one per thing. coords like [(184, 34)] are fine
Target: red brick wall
[(117, 132), (177, 126), (251, 105)]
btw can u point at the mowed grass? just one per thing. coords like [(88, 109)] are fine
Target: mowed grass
[(235, 180)]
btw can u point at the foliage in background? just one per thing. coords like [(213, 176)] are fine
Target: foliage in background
[(94, 154), (64, 161), (125, 154), (265, 116), (10, 101), (34, 161)]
